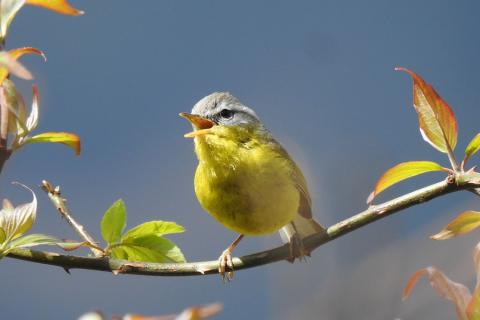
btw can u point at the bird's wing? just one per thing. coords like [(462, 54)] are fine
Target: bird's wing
[(305, 206)]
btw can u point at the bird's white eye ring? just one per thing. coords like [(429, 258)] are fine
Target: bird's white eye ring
[(226, 113)]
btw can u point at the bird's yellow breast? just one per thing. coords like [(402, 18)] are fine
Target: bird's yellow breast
[(244, 181)]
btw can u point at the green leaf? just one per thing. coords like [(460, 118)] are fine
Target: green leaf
[(32, 120), (32, 240), (3, 236), (69, 139), (472, 148), (16, 108), (134, 253), (8, 10), (401, 172), (17, 221), (158, 228), (119, 253), (163, 246), (463, 223), (149, 248), (437, 122), (113, 222)]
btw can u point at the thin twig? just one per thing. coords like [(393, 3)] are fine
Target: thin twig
[(4, 151), (370, 215), (3, 118), (59, 203)]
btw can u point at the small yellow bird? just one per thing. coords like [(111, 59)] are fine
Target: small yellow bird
[(245, 179)]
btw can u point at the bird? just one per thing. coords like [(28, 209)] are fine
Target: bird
[(245, 179)]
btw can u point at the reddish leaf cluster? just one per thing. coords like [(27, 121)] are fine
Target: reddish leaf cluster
[(438, 127), (466, 304), (19, 125)]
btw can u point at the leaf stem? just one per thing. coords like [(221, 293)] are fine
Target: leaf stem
[(452, 159), (465, 181), (59, 203)]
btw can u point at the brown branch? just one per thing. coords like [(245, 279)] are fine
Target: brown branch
[(4, 151), (373, 213)]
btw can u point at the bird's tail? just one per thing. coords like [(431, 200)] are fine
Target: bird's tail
[(297, 230)]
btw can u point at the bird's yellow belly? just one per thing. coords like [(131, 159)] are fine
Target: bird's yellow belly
[(251, 196)]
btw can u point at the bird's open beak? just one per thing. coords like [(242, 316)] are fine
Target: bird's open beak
[(201, 125)]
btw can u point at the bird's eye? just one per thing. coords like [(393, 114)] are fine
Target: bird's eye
[(226, 113)]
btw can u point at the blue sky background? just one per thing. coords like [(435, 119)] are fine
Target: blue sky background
[(318, 73)]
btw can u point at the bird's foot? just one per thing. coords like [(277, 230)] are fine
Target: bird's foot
[(297, 249), (224, 261)]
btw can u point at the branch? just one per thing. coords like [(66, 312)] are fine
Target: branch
[(4, 151), (59, 203), (373, 213)]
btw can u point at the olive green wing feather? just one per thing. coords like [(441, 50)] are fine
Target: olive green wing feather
[(305, 206)]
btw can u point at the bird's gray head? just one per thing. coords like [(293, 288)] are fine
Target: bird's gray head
[(224, 109)]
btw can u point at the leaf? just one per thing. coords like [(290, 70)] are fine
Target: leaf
[(113, 222), (69, 139), (119, 252), (16, 107), (32, 120), (165, 250), (438, 125), (150, 248), (472, 148), (473, 308), (135, 253), (59, 6), (462, 224), (191, 313), (74, 245), (446, 288), (8, 10), (158, 228), (11, 65), (401, 172), (476, 260), (200, 312), (97, 315), (32, 240), (16, 221)]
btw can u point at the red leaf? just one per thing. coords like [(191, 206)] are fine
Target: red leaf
[(446, 288), (438, 125)]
